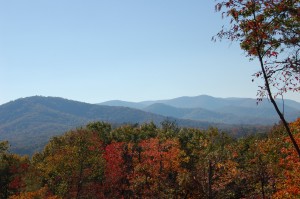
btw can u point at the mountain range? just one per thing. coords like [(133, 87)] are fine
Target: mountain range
[(29, 123), (219, 110)]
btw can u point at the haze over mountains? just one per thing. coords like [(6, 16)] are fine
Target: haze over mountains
[(220, 110), (28, 123)]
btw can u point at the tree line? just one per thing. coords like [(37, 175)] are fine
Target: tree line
[(146, 161)]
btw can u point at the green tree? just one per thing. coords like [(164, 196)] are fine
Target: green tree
[(102, 129), (72, 165), (4, 170), (13, 171)]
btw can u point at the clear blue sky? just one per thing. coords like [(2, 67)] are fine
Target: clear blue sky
[(98, 50)]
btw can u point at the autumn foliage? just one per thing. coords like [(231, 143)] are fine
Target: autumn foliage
[(150, 162), (268, 30)]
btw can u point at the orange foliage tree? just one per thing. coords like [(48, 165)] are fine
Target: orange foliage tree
[(156, 168), (289, 182)]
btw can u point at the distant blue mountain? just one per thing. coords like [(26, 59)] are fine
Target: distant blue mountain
[(124, 104), (212, 109)]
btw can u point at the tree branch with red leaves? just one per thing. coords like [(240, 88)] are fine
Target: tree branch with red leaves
[(268, 30)]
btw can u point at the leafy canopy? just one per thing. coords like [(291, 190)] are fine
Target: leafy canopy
[(268, 30)]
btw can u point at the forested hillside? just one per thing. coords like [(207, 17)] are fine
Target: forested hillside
[(150, 162), (29, 123)]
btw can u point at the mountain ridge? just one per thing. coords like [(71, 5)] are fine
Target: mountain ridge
[(203, 100), (26, 122), (231, 110)]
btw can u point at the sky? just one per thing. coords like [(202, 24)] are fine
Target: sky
[(133, 50)]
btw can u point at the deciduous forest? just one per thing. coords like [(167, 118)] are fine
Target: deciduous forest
[(146, 161), (168, 161)]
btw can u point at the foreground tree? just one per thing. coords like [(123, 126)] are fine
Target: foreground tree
[(72, 165), (288, 185), (14, 172), (268, 30)]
